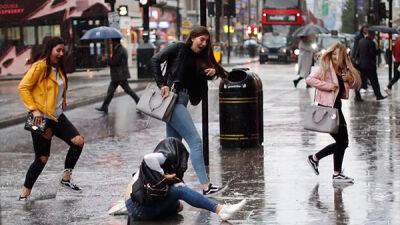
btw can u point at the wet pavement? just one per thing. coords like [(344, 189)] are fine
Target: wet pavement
[(275, 178)]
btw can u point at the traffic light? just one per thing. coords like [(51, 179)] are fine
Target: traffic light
[(382, 11), (230, 8), (149, 2), (211, 9)]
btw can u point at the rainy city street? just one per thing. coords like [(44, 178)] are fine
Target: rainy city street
[(280, 186)]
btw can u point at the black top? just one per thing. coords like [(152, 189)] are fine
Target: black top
[(367, 52), (338, 101), (189, 69), (119, 64), (181, 68)]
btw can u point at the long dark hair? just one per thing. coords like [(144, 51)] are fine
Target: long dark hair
[(49, 44), (206, 55)]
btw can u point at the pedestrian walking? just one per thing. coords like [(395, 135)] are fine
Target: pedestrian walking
[(119, 72), (43, 91), (305, 59), (188, 67), (332, 80), (165, 167), (367, 54), (355, 59), (396, 55)]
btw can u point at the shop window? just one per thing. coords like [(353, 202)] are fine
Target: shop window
[(48, 30), (29, 35), (13, 33)]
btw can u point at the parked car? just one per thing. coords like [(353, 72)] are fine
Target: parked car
[(274, 46)]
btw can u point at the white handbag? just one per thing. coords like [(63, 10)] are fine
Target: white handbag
[(322, 119), (153, 104)]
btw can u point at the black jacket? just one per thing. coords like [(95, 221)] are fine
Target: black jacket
[(119, 64), (176, 162), (367, 53), (354, 51), (174, 56)]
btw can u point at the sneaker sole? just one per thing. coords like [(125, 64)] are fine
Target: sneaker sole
[(312, 167), (70, 190), (218, 192), (337, 181)]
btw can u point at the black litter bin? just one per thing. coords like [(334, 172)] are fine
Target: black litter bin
[(241, 110), (144, 52)]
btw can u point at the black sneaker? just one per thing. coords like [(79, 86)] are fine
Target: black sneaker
[(313, 164), (67, 184), (213, 190), (341, 178)]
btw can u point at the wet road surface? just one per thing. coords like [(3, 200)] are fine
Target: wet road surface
[(275, 178)]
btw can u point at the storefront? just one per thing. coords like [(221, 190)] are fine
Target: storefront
[(24, 24)]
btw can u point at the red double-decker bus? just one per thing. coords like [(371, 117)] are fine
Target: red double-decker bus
[(283, 16)]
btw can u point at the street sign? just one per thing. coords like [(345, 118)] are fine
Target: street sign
[(231, 29), (123, 10), (113, 20), (187, 24), (217, 53)]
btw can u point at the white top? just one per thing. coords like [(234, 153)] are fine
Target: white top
[(58, 111), (154, 161)]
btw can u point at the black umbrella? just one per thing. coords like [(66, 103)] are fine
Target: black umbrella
[(383, 29), (308, 30), (101, 33)]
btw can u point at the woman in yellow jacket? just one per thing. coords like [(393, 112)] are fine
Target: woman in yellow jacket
[(43, 91)]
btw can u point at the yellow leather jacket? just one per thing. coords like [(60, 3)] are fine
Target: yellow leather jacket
[(40, 93)]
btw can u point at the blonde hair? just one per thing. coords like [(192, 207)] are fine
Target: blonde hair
[(344, 64)]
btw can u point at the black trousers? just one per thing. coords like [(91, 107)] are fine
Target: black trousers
[(338, 148), (62, 129), (113, 86), (396, 75), (372, 76)]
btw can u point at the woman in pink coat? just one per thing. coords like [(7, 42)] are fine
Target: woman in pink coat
[(333, 79)]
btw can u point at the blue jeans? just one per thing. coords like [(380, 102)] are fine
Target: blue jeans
[(181, 126), (169, 206)]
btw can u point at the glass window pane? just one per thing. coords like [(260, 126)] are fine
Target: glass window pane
[(43, 31), (13, 33), (56, 30), (29, 35)]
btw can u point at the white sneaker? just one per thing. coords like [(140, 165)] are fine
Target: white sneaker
[(118, 209), (362, 91), (388, 91), (228, 211)]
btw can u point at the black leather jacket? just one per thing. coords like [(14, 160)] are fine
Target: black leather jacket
[(174, 55)]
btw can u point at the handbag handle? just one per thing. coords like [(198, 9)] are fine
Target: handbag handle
[(317, 120), (156, 107)]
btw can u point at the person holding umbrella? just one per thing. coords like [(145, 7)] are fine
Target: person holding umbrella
[(306, 57), (119, 72)]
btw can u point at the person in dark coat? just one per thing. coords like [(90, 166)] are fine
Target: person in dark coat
[(367, 61), (355, 58), (119, 72), (188, 67)]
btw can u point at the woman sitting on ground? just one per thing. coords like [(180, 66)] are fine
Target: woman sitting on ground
[(163, 171)]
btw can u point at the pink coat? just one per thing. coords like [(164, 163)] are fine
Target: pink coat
[(324, 95)]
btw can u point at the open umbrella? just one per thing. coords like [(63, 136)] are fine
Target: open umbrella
[(383, 29), (308, 30), (102, 32)]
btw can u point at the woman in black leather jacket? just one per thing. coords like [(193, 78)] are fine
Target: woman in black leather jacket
[(188, 67)]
